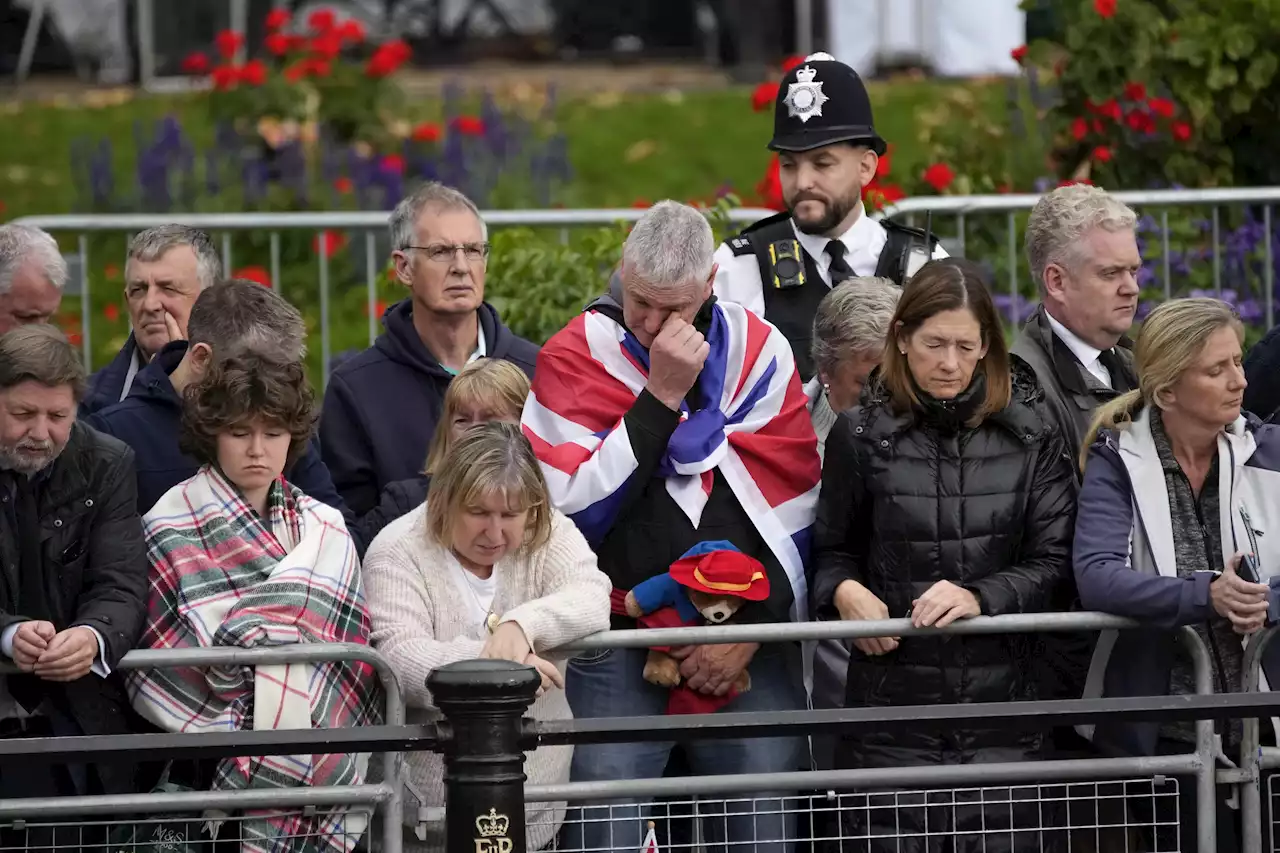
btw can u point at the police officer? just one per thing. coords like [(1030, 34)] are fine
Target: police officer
[(782, 266)]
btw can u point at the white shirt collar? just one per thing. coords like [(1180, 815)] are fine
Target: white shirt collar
[(863, 241), (1086, 352)]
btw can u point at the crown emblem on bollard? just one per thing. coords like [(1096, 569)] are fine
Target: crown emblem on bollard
[(492, 825)]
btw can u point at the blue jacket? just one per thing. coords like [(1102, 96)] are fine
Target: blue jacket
[(1125, 564), (149, 420), (106, 385), (382, 406)]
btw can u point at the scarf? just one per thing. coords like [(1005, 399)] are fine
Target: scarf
[(746, 417), (223, 576)]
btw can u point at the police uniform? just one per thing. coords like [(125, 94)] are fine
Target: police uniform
[(781, 273)]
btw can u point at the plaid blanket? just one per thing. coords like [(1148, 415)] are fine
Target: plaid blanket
[(222, 576)]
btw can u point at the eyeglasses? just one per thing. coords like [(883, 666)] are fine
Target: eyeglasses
[(442, 253)]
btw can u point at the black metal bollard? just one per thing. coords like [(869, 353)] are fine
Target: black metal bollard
[(482, 739)]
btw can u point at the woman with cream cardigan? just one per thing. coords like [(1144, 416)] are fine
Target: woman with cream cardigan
[(485, 568)]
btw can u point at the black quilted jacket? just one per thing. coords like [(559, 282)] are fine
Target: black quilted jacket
[(910, 500)]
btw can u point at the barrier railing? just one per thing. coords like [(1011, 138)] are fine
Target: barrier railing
[(387, 793), (483, 737)]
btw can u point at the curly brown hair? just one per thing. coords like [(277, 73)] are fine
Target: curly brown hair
[(242, 389)]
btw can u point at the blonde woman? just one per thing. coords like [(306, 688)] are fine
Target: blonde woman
[(485, 390), (485, 568), (1180, 487)]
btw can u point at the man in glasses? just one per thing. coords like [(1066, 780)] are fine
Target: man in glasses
[(382, 406)]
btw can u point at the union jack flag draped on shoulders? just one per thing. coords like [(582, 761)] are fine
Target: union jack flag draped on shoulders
[(746, 416)]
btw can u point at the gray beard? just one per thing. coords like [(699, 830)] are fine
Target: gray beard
[(26, 462)]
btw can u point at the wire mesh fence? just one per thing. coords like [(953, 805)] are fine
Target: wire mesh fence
[(1118, 816), (311, 828)]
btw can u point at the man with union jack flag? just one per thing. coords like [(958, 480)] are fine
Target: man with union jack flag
[(663, 418)]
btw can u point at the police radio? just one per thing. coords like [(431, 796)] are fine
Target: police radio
[(786, 262)]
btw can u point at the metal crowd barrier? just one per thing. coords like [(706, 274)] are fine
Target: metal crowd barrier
[(962, 212), (483, 737), (22, 817)]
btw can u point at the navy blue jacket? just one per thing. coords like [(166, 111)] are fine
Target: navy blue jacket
[(106, 385), (382, 406), (149, 420), (1125, 563)]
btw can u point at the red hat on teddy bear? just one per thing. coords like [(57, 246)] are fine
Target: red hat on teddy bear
[(718, 568)]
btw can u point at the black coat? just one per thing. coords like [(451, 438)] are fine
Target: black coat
[(92, 541), (908, 501)]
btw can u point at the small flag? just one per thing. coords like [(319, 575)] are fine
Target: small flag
[(650, 841)]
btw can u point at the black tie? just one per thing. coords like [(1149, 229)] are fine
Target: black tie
[(840, 269), (33, 593), (1119, 376)]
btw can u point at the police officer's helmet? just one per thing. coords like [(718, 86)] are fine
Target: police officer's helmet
[(820, 102)]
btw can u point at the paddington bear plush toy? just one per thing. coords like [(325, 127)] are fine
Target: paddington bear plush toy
[(707, 585)]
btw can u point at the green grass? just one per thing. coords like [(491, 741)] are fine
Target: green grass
[(622, 147)]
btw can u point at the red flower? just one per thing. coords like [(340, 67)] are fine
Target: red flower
[(277, 44), (1102, 154), (1162, 107), (277, 18), (321, 21), (228, 43), (387, 58), (1004, 189), (393, 163), (939, 176), (253, 72), (641, 204), (74, 338), (333, 241), (111, 271), (225, 77), (195, 63), (255, 274), (876, 195), (379, 308), (1181, 131), (352, 31), (326, 45), (1079, 129), (1019, 54), (764, 96), (342, 184), (1140, 121), (426, 132), (770, 187), (791, 62), (297, 71), (1097, 125), (1135, 91), (469, 125), (1069, 182), (1111, 109), (883, 164), (111, 311), (1105, 8)]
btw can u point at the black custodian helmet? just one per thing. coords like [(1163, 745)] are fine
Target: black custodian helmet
[(821, 102)]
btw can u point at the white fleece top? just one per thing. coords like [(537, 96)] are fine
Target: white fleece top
[(556, 595)]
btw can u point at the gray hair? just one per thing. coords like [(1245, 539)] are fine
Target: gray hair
[(39, 352), (671, 245), (853, 318), (23, 244), (1063, 217), (238, 316), (404, 219), (151, 245)]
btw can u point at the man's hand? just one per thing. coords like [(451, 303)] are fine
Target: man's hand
[(508, 642), (942, 604), (856, 603), (1243, 603), (30, 641), (550, 673), (675, 360), (69, 656), (712, 670)]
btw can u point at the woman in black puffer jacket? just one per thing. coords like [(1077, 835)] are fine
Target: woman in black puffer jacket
[(946, 494)]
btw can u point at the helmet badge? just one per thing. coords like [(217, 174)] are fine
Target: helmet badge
[(804, 97)]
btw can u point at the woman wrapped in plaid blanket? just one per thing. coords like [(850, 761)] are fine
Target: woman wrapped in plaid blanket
[(239, 557)]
